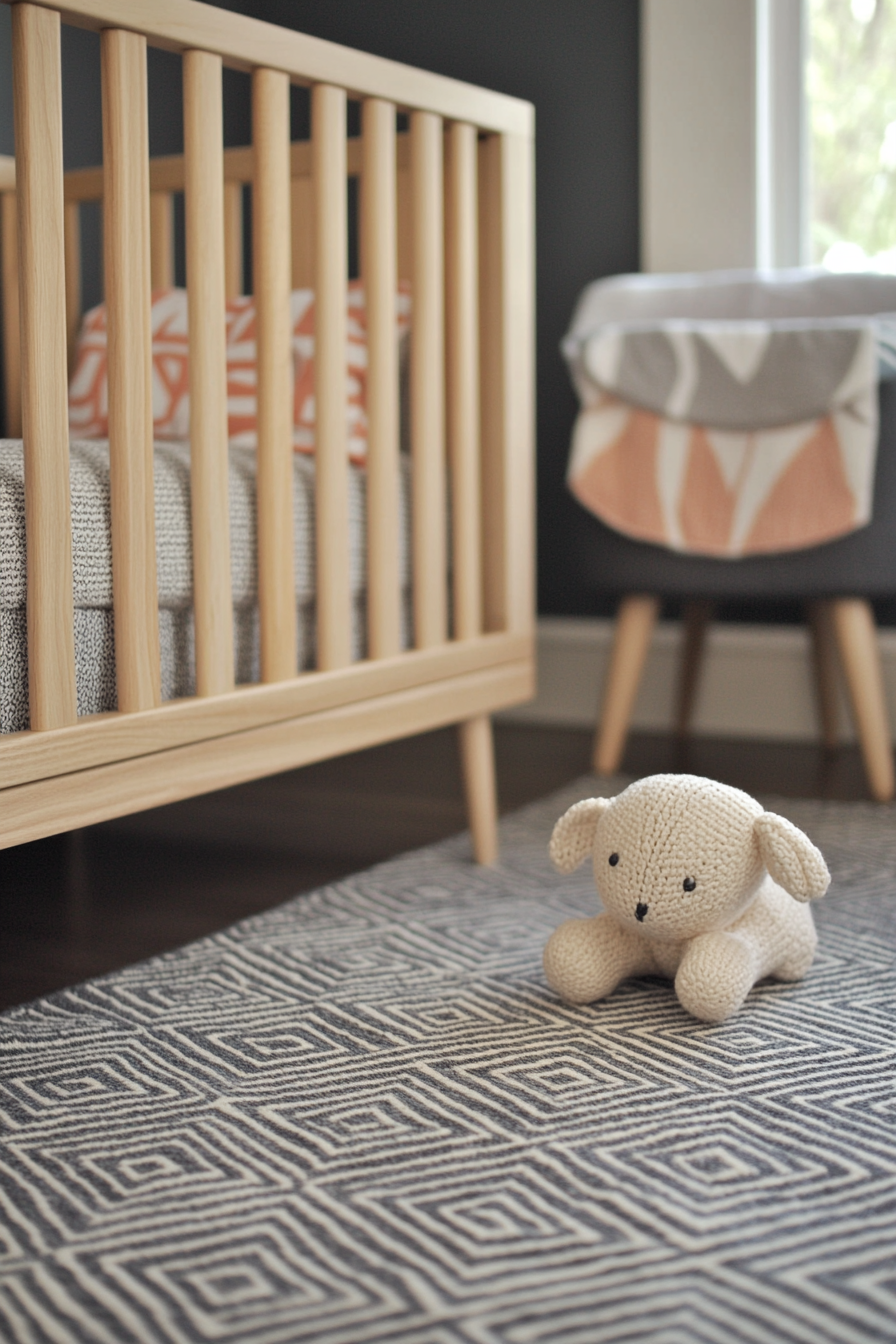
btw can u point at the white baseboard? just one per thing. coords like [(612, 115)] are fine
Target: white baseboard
[(756, 680)]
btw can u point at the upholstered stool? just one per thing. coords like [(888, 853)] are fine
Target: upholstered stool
[(697, 387)]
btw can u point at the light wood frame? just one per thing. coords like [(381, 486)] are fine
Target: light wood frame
[(843, 634), (448, 206)]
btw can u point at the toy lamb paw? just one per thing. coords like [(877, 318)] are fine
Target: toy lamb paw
[(698, 884)]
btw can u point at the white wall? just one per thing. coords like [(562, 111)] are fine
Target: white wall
[(722, 138), (698, 143), (756, 681), (782, 147)]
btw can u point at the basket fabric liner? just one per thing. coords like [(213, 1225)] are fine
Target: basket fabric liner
[(730, 414)]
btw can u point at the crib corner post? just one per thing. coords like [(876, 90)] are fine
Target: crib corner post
[(37, 92), (507, 301)]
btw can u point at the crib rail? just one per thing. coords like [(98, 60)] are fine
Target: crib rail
[(447, 206), (167, 178)]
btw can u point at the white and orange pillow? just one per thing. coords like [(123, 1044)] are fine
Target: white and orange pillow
[(88, 391)]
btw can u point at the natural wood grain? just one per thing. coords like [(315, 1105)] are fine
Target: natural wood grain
[(478, 764), (506, 231), (102, 738), (247, 44), (518, 267), (463, 427), (12, 359), (166, 171), (333, 610), (212, 599), (491, 382), (271, 272), (49, 806), (127, 275), (379, 272), (856, 635), (428, 539), (84, 184), (233, 239), (379, 699), (825, 667), (696, 618), (161, 240), (72, 226), (7, 173), (302, 198), (37, 92), (405, 222), (462, 368), (631, 641)]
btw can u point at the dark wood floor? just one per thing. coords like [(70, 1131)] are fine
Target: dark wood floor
[(76, 906)]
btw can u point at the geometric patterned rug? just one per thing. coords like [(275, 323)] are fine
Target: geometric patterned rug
[(363, 1117)]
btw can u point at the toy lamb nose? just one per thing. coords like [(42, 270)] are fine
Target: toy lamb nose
[(738, 911)]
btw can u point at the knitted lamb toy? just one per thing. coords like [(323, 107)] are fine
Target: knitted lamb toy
[(698, 883)]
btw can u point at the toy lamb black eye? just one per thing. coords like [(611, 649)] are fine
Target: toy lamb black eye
[(614, 859), (689, 883)]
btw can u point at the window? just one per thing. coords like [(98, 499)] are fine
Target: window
[(852, 133)]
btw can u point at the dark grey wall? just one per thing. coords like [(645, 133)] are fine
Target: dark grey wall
[(576, 60)]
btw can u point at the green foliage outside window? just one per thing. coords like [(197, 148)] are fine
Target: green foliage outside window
[(851, 85)]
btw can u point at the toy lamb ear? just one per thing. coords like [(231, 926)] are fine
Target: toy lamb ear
[(791, 858), (572, 839)]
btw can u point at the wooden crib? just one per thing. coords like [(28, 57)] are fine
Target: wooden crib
[(449, 206)]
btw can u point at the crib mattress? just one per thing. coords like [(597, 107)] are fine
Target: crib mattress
[(92, 567)]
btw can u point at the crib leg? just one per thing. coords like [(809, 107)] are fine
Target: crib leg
[(631, 641), (695, 619), (857, 640), (477, 754), (824, 657)]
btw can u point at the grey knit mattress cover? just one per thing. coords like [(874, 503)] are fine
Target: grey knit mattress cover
[(92, 564)]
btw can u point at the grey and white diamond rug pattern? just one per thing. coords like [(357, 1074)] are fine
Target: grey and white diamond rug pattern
[(363, 1117)]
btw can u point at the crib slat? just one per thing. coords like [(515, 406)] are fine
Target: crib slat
[(491, 382), (37, 92), (127, 270), (379, 271), (233, 238), (462, 365), (12, 361), (405, 223), (428, 382), (506, 288), (328, 125), (204, 167), (302, 229), (72, 218), (271, 271), (161, 236)]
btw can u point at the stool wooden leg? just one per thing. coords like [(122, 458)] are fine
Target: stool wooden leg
[(824, 658), (696, 617), (854, 628), (631, 639), (477, 754)]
